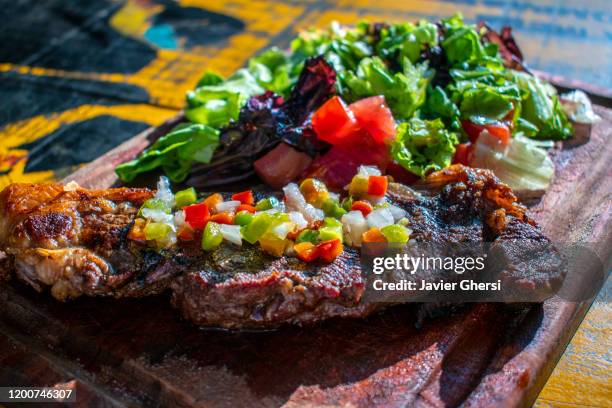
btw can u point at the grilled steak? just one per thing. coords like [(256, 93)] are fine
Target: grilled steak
[(74, 241)]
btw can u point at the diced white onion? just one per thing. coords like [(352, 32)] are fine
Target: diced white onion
[(353, 226), (380, 218), (231, 233), (164, 193), (158, 216), (179, 219), (369, 171), (227, 206), (298, 219), (396, 212), (334, 196), (295, 201), (283, 229)]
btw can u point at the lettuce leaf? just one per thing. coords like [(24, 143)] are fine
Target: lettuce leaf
[(216, 103), (174, 153), (423, 146), (406, 40), (541, 108), (439, 105), (404, 91)]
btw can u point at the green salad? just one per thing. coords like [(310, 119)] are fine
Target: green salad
[(444, 85)]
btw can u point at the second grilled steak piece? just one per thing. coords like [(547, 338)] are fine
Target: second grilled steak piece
[(248, 289)]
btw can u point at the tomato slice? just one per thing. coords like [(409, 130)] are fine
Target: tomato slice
[(463, 154), (362, 206), (197, 215), (374, 116), (334, 123), (498, 129), (337, 167), (245, 197), (377, 185)]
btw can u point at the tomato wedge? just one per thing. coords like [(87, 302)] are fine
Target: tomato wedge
[(197, 215), (498, 129), (374, 116), (334, 122), (463, 154)]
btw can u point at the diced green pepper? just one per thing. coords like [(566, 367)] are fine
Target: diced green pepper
[(186, 197), (212, 237), (332, 208), (243, 218), (256, 228), (395, 233), (154, 204), (267, 204), (308, 235), (154, 231), (331, 229), (347, 203)]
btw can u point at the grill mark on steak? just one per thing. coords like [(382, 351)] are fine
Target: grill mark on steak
[(245, 288)]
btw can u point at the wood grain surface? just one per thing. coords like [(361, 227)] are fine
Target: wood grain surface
[(138, 351)]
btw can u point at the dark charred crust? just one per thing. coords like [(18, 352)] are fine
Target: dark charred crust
[(49, 225)]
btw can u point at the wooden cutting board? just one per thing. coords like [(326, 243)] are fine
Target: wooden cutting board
[(139, 351)]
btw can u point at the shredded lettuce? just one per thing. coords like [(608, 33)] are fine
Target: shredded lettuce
[(174, 153), (523, 165), (423, 146), (541, 107)]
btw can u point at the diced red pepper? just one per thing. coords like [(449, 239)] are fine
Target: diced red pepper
[(362, 206), (245, 197), (498, 129), (334, 122), (212, 201), (197, 215), (185, 234), (306, 251), (329, 250), (373, 235), (222, 218), (463, 154), (245, 207), (377, 185), (374, 116)]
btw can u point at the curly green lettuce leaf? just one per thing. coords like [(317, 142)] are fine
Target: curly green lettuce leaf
[(174, 153), (541, 108), (439, 105), (404, 91), (423, 146), (216, 103), (406, 40)]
